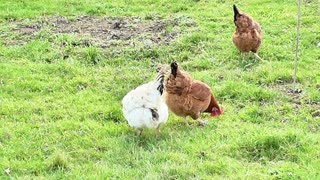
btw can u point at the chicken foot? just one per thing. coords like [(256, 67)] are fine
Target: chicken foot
[(244, 59), (255, 59), (202, 123)]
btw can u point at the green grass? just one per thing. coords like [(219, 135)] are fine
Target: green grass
[(60, 94)]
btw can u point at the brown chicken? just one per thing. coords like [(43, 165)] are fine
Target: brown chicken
[(248, 33), (187, 97)]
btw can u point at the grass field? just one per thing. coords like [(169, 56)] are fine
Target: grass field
[(65, 66)]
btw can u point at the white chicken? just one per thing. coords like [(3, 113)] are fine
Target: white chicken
[(144, 107)]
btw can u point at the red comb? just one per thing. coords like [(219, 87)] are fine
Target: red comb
[(217, 113)]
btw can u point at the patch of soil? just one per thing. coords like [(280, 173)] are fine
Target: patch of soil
[(297, 98), (285, 87), (108, 31), (28, 30)]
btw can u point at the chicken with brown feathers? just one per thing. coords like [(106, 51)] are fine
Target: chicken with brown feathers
[(187, 97), (248, 33)]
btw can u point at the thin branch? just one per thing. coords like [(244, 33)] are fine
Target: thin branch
[(297, 46)]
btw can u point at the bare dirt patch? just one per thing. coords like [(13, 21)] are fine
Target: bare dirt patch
[(298, 98), (104, 32)]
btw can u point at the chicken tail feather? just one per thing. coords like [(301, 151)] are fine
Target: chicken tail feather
[(174, 68), (236, 12), (159, 82)]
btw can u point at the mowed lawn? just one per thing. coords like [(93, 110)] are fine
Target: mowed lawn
[(65, 67)]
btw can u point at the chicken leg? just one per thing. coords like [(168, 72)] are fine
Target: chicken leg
[(139, 132), (257, 56), (158, 132), (242, 56), (186, 121)]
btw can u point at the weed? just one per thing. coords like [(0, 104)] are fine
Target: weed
[(57, 160)]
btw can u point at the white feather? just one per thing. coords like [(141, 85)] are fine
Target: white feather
[(137, 105)]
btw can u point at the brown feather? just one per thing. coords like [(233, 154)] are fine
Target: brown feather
[(248, 33), (199, 90), (187, 97), (213, 104)]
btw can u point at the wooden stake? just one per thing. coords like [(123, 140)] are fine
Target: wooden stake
[(297, 47)]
